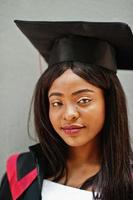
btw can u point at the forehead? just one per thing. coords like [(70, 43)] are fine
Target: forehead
[(69, 82)]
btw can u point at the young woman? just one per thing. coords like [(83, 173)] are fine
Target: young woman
[(80, 116)]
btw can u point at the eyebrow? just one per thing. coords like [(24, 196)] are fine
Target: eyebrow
[(74, 93)]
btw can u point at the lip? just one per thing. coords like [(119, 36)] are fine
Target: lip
[(72, 129)]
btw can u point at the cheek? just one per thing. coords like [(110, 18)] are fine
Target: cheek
[(51, 117), (54, 118), (98, 116), (95, 115)]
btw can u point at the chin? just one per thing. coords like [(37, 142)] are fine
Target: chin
[(78, 142)]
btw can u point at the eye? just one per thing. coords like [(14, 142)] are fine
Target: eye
[(56, 104), (84, 101)]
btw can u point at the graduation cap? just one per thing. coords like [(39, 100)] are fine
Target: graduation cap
[(107, 44)]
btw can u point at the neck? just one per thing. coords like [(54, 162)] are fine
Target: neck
[(89, 154)]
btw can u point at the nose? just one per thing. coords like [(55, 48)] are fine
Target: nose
[(71, 113)]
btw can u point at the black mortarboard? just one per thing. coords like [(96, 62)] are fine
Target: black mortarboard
[(107, 44)]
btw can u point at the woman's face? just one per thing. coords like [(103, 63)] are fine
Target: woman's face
[(77, 109)]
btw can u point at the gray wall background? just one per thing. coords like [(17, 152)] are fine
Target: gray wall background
[(19, 65)]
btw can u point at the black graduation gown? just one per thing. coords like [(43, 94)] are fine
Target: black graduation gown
[(32, 161)]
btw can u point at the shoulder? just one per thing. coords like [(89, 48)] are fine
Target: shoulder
[(21, 172), (20, 164), (23, 175)]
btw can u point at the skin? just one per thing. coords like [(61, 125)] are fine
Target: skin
[(74, 101)]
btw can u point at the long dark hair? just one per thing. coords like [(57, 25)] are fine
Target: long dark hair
[(114, 181)]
